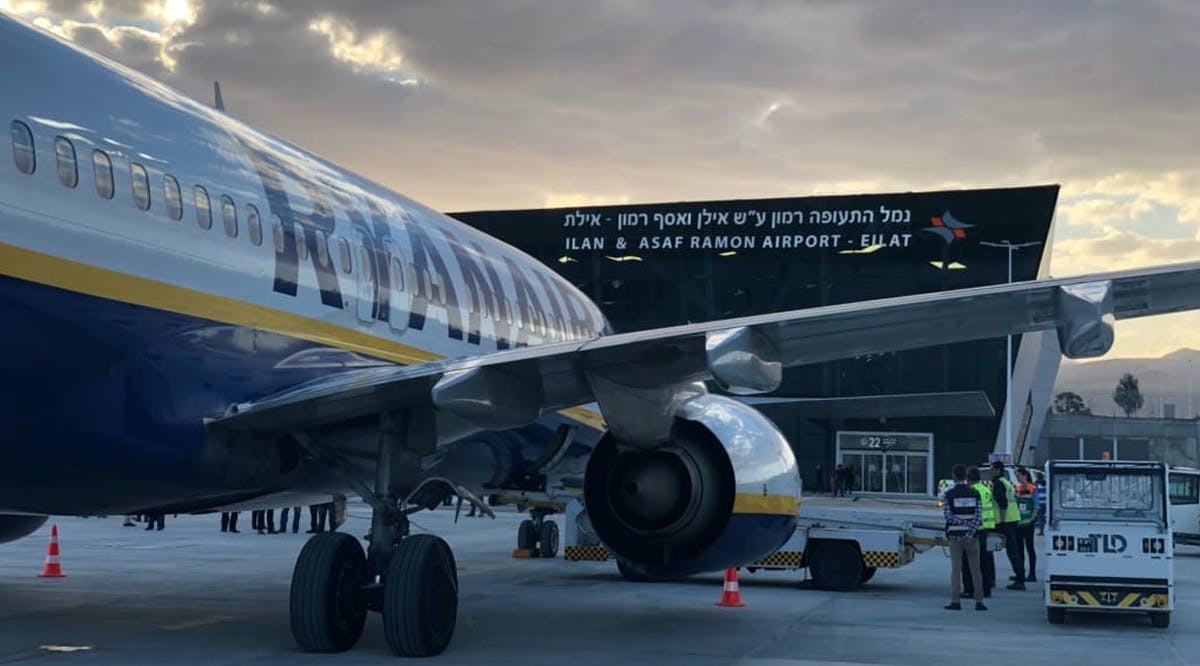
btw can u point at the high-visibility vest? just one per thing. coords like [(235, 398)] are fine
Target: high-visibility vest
[(1025, 492), (987, 504), (1011, 513)]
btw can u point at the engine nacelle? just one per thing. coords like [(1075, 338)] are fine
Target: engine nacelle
[(16, 526), (721, 493)]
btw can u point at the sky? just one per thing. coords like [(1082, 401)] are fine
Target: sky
[(520, 104)]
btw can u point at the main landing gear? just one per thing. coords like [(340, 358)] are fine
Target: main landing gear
[(538, 534), (411, 580)]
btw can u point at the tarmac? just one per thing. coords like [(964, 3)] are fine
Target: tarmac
[(189, 594)]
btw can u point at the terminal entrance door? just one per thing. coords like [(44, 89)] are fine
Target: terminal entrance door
[(888, 462)]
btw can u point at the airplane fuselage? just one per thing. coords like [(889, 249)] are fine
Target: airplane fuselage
[(160, 261)]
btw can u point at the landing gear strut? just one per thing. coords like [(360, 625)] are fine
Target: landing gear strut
[(411, 580), (538, 534)]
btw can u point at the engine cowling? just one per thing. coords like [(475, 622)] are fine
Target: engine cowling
[(16, 526), (722, 492)]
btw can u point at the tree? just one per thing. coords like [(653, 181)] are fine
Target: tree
[(1069, 402), (1127, 395)]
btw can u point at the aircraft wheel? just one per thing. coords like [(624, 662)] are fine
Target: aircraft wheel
[(835, 565), (420, 597), (1162, 620), (328, 607), (867, 574), (1056, 615), (548, 539), (526, 535)]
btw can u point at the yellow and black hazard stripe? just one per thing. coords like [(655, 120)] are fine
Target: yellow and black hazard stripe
[(1107, 598), (781, 558), (881, 559), (586, 553)]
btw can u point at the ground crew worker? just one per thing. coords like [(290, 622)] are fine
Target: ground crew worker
[(1007, 517), (1025, 505), (963, 513), (229, 521), (987, 517)]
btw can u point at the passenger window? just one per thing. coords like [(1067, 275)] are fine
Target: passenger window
[(398, 273), (229, 216), (172, 196), (301, 243), (141, 186), (344, 255), (322, 248), (68, 171), (203, 208), (277, 233), (102, 169), (22, 147), (253, 225)]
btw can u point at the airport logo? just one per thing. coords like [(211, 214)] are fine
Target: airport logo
[(948, 228)]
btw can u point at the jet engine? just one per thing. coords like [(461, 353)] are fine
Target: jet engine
[(14, 526), (721, 492)]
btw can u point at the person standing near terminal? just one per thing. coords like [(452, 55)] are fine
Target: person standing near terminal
[(987, 517), (962, 509), (1007, 516), (317, 514), (154, 520), (283, 520), (1025, 491)]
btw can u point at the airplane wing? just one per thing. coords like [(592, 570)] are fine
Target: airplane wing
[(638, 379)]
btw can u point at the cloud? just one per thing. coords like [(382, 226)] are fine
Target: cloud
[(656, 100), (467, 105), (580, 199)]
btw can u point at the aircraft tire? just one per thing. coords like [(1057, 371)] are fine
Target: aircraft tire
[(548, 539), (420, 597), (327, 606), (867, 574), (835, 565), (526, 535)]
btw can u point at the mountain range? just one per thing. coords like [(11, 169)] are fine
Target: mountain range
[(1170, 382)]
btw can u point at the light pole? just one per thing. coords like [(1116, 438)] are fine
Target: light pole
[(1008, 369)]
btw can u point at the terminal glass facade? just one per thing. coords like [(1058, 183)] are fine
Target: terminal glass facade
[(657, 265)]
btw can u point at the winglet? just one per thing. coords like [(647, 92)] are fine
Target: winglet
[(218, 101)]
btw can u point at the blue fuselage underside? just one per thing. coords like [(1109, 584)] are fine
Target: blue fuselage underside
[(103, 405)]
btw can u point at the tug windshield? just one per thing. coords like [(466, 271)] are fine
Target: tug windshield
[(1110, 495)]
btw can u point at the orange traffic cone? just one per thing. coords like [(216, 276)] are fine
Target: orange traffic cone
[(52, 568), (730, 595)]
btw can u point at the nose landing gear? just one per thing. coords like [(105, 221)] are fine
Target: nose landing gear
[(538, 534)]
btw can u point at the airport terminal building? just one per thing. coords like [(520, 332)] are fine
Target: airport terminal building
[(900, 419)]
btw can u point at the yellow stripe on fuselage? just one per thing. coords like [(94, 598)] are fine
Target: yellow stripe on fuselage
[(116, 286), (112, 285), (775, 505)]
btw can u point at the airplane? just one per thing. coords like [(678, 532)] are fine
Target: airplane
[(199, 315)]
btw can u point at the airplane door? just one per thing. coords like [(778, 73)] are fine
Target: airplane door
[(366, 278)]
